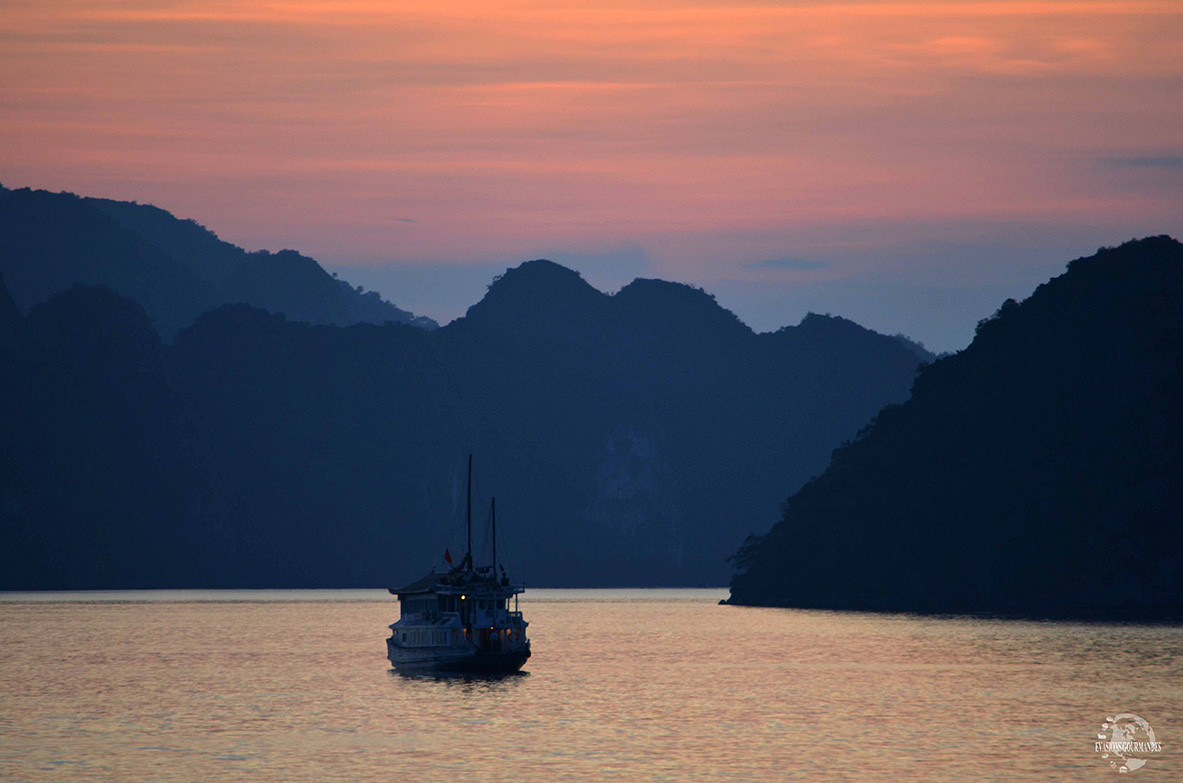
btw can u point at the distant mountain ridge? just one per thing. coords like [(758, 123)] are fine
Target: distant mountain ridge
[(175, 268), (1037, 472), (630, 439), (540, 298)]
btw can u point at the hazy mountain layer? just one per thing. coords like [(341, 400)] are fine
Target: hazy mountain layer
[(175, 268)]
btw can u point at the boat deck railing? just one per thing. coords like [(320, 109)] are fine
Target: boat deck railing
[(433, 616)]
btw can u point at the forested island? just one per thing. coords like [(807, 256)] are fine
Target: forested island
[(1037, 472)]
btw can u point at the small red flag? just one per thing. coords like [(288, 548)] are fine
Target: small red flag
[(448, 556)]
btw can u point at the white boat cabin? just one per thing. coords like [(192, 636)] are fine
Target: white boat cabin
[(460, 610)]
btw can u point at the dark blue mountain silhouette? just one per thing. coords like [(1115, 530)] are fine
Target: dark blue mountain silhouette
[(10, 316), (175, 268), (631, 439), (1036, 472)]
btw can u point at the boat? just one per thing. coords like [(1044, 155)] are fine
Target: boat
[(460, 621)]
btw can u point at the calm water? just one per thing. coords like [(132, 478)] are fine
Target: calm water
[(624, 685)]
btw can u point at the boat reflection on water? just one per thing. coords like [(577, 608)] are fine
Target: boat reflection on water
[(473, 680)]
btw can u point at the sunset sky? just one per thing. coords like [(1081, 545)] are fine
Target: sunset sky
[(908, 164)]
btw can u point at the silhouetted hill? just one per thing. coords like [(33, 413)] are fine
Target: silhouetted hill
[(655, 306), (284, 282), (52, 241), (175, 268), (96, 490), (1036, 472), (186, 241), (918, 348), (656, 419), (323, 449), (539, 298), (630, 439)]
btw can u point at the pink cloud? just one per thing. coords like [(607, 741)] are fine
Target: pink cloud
[(503, 126)]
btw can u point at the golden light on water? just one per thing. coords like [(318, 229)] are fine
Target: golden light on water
[(620, 687)]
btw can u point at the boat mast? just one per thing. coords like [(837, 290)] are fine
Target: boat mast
[(469, 514), (496, 614)]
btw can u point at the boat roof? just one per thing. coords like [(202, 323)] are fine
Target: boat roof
[(457, 581), (426, 584)]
